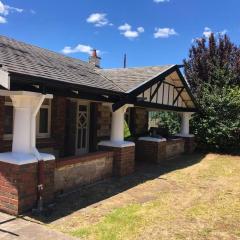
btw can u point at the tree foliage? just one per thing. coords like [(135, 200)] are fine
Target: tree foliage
[(213, 71), (168, 120), (213, 62), (217, 127)]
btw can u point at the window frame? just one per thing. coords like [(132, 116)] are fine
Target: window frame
[(48, 133), (8, 136), (38, 134)]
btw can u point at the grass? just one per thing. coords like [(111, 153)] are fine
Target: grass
[(201, 201)]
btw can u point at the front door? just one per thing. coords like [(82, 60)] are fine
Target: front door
[(82, 136)]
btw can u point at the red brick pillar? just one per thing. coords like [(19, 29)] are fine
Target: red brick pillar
[(59, 123), (190, 144), (1, 123), (151, 151), (123, 159), (18, 186)]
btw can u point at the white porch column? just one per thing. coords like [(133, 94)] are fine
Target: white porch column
[(24, 126), (117, 129), (185, 118), (26, 106), (117, 126)]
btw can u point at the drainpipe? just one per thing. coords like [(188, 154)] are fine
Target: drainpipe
[(37, 155)]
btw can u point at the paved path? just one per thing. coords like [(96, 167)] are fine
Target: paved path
[(12, 228)]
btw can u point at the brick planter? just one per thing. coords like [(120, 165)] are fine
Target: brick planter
[(190, 144), (149, 151), (157, 152), (18, 186), (123, 159)]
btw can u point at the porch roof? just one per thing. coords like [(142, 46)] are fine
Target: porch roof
[(28, 60), (30, 66), (129, 79)]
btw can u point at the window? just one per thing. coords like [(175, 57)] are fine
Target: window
[(8, 118), (43, 121)]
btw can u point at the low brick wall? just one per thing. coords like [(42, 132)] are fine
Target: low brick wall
[(174, 147), (18, 186), (124, 159), (74, 172), (190, 144), (157, 152)]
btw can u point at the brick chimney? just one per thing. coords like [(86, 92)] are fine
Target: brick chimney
[(94, 59)]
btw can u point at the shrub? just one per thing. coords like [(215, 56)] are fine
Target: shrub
[(217, 125)]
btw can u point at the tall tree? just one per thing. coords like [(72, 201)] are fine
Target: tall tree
[(213, 62), (213, 72)]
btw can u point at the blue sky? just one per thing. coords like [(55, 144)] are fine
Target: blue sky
[(151, 32)]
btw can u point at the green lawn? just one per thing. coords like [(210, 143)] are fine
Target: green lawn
[(199, 201)]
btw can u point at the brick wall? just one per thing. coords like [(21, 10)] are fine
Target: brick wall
[(174, 147), (157, 152), (74, 172), (18, 186), (190, 144), (139, 121), (123, 159), (58, 125), (103, 122)]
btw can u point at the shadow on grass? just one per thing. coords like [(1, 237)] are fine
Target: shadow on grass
[(86, 196)]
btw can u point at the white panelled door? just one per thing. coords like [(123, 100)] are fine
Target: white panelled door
[(82, 136)]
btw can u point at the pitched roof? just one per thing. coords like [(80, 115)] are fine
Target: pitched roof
[(19, 57), (129, 79)]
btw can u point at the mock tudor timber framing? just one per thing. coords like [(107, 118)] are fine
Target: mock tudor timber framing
[(138, 97), (37, 84)]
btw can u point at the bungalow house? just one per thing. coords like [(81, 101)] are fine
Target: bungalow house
[(62, 121)]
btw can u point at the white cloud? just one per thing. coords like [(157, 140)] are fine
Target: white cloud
[(164, 32), (126, 31), (140, 29), (3, 19), (99, 19), (6, 10), (80, 48), (207, 32), (125, 27), (161, 1)]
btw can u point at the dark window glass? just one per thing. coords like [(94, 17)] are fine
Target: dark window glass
[(8, 120), (82, 108), (79, 138), (43, 120), (84, 135)]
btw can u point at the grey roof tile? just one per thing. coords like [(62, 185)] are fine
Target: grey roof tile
[(130, 78), (19, 57)]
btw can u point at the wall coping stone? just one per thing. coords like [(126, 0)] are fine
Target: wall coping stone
[(61, 162), (152, 139), (117, 144), (185, 135), (23, 158)]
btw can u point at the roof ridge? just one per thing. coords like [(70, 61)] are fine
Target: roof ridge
[(99, 72)]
